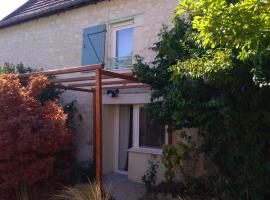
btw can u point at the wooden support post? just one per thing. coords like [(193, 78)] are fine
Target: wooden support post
[(98, 127), (94, 125)]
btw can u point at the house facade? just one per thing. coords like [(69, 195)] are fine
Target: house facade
[(53, 34)]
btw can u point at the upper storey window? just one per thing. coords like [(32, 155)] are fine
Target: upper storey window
[(122, 48), (124, 43), (111, 44)]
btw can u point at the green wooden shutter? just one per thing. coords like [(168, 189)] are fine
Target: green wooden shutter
[(94, 45)]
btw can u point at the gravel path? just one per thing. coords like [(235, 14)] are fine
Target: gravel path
[(121, 188)]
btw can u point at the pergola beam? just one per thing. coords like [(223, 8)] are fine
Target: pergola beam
[(72, 88), (68, 70), (118, 75), (120, 87), (77, 79), (103, 83), (125, 86), (96, 87), (87, 78)]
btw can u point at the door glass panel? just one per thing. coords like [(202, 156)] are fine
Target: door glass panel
[(125, 135)]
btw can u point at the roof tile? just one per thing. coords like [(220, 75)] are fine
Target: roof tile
[(33, 9)]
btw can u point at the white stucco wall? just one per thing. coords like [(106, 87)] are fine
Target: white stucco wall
[(138, 165), (56, 42)]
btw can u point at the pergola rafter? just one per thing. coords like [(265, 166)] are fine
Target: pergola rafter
[(93, 84), (100, 79), (87, 78)]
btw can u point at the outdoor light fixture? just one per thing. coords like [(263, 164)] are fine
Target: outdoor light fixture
[(113, 93)]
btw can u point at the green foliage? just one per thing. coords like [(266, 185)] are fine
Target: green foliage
[(150, 178), (213, 73), (19, 68), (202, 188), (178, 155), (243, 27), (210, 66), (174, 45), (70, 109), (49, 93)]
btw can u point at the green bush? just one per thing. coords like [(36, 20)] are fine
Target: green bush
[(220, 86), (150, 177)]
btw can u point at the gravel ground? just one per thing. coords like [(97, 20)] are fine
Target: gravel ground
[(121, 188)]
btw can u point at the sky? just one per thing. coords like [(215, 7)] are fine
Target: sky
[(7, 6)]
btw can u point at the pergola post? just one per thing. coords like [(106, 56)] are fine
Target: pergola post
[(94, 125), (128, 81), (98, 126)]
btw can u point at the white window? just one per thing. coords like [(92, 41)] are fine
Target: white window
[(147, 133), (124, 43), (122, 49)]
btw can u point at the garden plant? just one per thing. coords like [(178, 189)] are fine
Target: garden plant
[(211, 72), (35, 142)]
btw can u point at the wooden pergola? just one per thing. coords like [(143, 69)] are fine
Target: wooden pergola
[(100, 79)]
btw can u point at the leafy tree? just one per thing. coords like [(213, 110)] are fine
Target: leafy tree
[(212, 72), (48, 93), (241, 28), (35, 144)]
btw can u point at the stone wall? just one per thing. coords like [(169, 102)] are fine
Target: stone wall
[(56, 41)]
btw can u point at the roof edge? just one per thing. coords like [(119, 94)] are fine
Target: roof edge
[(72, 5)]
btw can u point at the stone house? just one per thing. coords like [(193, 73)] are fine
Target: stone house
[(53, 34)]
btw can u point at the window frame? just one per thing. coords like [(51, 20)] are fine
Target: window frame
[(136, 130), (114, 29)]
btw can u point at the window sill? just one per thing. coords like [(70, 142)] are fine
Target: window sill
[(146, 151)]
